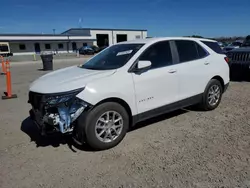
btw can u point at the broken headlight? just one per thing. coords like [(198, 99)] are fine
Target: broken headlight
[(62, 98), (61, 110)]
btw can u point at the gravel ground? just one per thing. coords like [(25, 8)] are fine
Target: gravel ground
[(185, 148)]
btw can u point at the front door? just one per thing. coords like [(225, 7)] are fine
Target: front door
[(159, 85), (37, 48)]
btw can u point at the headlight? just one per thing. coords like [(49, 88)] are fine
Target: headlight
[(62, 98), (58, 99)]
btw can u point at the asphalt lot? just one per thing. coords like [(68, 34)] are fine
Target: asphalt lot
[(186, 148)]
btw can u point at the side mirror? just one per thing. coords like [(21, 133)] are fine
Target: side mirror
[(143, 65)]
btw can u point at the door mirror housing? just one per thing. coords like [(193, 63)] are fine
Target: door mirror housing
[(143, 65)]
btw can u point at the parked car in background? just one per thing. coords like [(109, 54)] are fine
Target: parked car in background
[(232, 46), (221, 44), (5, 49), (239, 60), (86, 50), (95, 48), (129, 82)]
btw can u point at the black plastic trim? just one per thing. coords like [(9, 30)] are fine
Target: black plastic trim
[(225, 87), (60, 93), (175, 55), (167, 108)]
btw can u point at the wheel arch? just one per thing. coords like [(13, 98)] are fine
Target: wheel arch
[(220, 79), (120, 101)]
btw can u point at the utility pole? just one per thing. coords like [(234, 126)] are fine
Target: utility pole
[(54, 31)]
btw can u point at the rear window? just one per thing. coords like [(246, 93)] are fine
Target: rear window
[(202, 53), (214, 46)]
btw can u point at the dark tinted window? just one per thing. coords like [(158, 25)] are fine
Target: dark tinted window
[(4, 48), (202, 53), (214, 46), (47, 46), (187, 50), (60, 46), (22, 46), (159, 54)]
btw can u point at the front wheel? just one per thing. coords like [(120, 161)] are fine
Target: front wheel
[(212, 95), (105, 126)]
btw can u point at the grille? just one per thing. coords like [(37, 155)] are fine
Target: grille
[(35, 100), (240, 56)]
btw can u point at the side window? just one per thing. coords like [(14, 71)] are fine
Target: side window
[(159, 54), (202, 53), (187, 50), (22, 47), (214, 46)]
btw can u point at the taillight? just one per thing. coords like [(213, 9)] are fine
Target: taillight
[(227, 59)]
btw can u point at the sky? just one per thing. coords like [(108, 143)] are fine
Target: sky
[(208, 18)]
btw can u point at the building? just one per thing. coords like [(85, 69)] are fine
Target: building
[(68, 41)]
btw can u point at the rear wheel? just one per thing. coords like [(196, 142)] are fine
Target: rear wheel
[(105, 126), (212, 95)]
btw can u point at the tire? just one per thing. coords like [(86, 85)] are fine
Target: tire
[(87, 126), (205, 104)]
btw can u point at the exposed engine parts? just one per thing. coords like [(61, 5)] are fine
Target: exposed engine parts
[(63, 120), (56, 113)]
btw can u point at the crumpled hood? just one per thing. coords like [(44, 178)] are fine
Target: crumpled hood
[(67, 79)]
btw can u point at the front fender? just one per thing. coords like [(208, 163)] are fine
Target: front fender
[(94, 96)]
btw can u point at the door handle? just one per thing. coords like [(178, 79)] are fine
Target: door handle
[(206, 63), (172, 71)]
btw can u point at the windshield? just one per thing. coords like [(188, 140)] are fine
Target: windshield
[(4, 48), (112, 58)]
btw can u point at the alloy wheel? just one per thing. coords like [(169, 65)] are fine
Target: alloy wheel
[(214, 95), (109, 126)]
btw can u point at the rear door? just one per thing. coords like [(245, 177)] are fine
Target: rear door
[(193, 68)]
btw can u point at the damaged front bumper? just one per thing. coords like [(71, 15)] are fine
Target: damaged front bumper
[(56, 112)]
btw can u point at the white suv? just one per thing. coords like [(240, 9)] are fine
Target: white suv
[(132, 81)]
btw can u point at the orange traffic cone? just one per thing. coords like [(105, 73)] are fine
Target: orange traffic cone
[(8, 93)]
